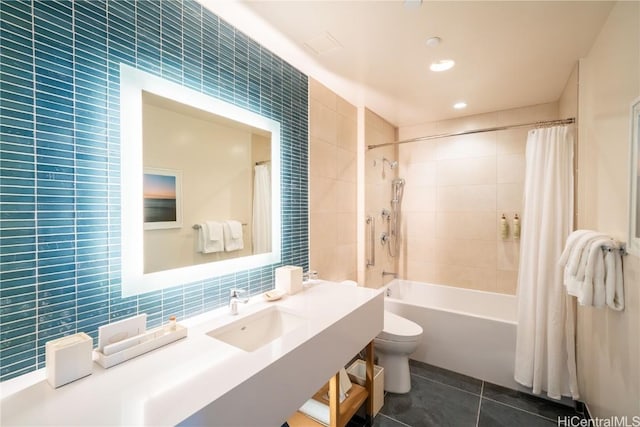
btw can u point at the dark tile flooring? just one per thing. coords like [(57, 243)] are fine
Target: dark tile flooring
[(441, 398)]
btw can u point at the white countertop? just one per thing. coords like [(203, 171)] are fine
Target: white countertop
[(200, 380)]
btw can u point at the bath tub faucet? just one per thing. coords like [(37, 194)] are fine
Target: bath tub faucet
[(389, 273), (234, 299)]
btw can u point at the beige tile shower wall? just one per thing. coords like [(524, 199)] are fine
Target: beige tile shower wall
[(457, 189), (332, 184), (378, 180)]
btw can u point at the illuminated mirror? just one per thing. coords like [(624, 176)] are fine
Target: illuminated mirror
[(200, 185)]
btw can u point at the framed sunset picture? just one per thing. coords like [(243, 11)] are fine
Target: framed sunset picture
[(162, 197)]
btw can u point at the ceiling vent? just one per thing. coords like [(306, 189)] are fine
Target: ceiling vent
[(322, 44)]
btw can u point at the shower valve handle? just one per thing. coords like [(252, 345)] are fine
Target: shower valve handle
[(384, 238)]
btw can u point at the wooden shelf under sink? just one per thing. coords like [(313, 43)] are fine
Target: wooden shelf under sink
[(340, 412), (348, 407)]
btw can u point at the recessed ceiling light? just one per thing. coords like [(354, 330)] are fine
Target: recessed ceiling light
[(460, 105), (442, 65), (434, 41)]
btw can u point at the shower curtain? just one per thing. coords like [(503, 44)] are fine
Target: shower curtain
[(545, 345), (261, 210)]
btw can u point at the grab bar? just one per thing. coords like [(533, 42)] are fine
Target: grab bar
[(371, 222)]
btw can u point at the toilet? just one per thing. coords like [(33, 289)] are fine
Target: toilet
[(399, 338)]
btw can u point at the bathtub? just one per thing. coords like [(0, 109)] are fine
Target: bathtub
[(466, 331)]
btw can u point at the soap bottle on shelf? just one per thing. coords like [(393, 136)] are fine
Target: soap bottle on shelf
[(516, 228)]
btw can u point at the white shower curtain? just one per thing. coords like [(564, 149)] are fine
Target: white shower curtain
[(545, 349), (261, 210)]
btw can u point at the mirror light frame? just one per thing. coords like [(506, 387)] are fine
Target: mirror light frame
[(134, 281)]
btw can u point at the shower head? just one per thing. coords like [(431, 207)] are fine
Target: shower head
[(397, 188)]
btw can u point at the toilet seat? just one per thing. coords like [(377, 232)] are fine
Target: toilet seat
[(399, 329)]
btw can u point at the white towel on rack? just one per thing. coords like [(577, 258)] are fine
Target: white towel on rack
[(593, 269), (233, 236), (210, 237), (215, 233), (580, 254), (574, 259), (236, 229), (593, 286), (570, 244)]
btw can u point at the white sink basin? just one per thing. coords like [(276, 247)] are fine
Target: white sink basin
[(254, 331)]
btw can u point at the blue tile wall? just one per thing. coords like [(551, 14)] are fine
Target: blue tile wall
[(60, 145)]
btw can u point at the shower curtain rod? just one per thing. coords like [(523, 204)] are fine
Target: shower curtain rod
[(469, 132)]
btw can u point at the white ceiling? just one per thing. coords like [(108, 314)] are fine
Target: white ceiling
[(508, 54)]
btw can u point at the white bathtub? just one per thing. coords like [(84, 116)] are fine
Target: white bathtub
[(466, 331)]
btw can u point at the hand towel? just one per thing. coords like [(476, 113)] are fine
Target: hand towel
[(316, 410), (231, 229), (236, 229), (207, 245), (215, 231)]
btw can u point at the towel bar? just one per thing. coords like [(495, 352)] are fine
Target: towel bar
[(622, 249), (197, 226)]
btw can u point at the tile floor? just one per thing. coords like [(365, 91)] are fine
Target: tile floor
[(441, 398)]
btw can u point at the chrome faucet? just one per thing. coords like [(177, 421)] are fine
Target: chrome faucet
[(234, 299), (309, 275)]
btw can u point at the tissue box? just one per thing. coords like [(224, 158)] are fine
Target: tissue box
[(68, 359), (289, 279)]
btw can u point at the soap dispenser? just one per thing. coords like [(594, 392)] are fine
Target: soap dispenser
[(516, 228), (504, 227)]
